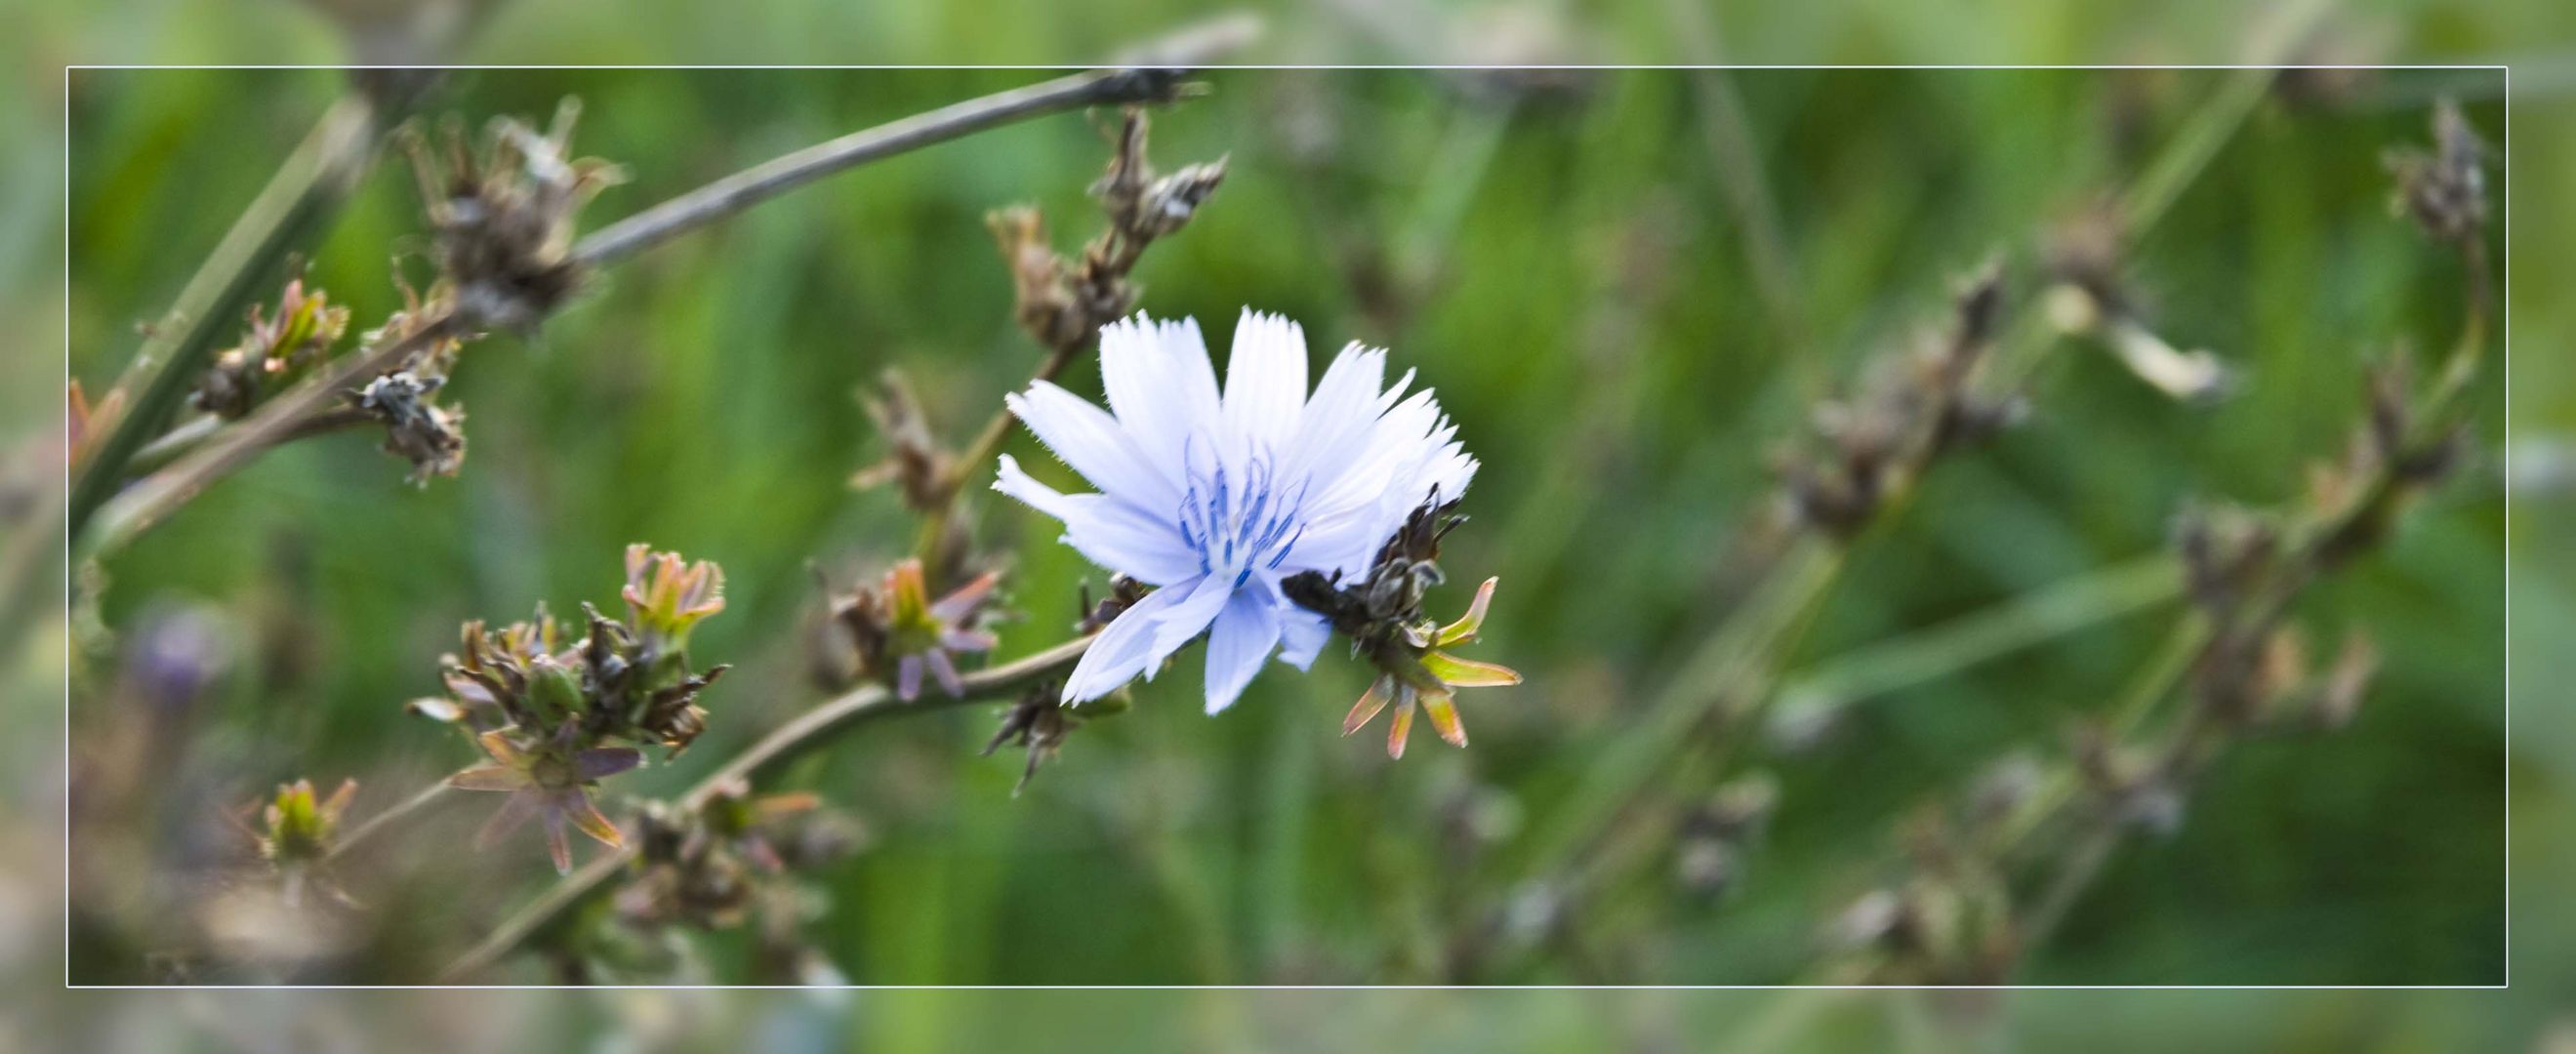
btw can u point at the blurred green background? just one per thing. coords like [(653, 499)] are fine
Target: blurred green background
[(1572, 262)]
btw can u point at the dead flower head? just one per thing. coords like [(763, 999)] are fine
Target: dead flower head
[(503, 216), (418, 430), (2444, 190), (549, 780)]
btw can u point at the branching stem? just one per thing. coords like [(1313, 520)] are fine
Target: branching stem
[(805, 733)]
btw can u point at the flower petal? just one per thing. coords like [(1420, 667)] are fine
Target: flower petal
[(1087, 438), (1160, 386), (1244, 634), (1468, 673), (1109, 532), (1443, 709), (496, 742), (586, 815), (1265, 380), (1402, 726), (557, 846), (1465, 628), (512, 814), (1123, 649), (1343, 411), (489, 778), (1189, 617), (603, 762), (944, 670), (1302, 634), (1379, 693), (961, 601), (907, 678)]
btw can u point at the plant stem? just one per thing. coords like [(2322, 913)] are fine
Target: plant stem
[(807, 732), (193, 433), (390, 818), (740, 191), (2055, 610)]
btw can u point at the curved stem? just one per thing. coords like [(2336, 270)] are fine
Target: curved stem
[(1152, 82), (807, 732)]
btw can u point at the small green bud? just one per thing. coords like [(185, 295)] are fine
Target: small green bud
[(554, 689)]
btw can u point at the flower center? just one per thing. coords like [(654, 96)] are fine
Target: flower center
[(1238, 522)]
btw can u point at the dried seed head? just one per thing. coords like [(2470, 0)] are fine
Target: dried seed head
[(709, 868), (2444, 191), (555, 717), (503, 219), (1062, 304), (1039, 721)]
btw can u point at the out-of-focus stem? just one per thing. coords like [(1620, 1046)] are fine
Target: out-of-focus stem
[(2089, 599), (314, 179), (734, 193), (390, 818)]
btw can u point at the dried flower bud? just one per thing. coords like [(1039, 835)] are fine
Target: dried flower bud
[(708, 868), (1039, 721), (417, 430), (503, 220), (1124, 592), (2444, 191), (556, 717), (1063, 304), (274, 353), (667, 597), (914, 461), (298, 827), (2226, 551)]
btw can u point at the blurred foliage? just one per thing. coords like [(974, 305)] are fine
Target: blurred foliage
[(1561, 256)]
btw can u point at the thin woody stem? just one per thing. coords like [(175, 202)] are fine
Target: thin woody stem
[(807, 732), (740, 191)]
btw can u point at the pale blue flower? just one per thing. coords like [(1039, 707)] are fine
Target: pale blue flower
[(1216, 498)]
